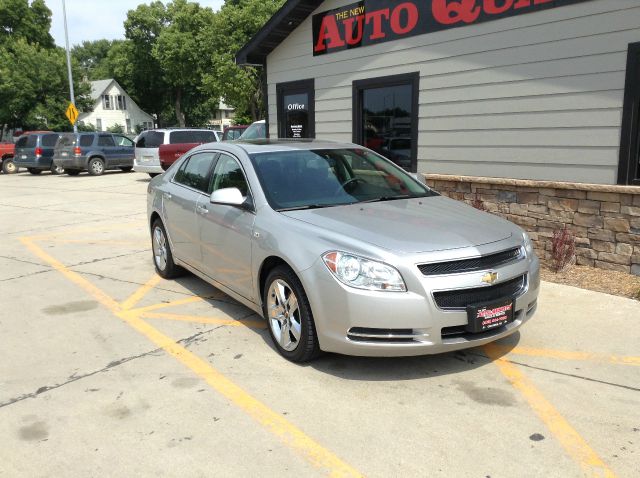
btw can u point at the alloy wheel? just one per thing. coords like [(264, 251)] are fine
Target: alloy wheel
[(284, 315), (160, 248)]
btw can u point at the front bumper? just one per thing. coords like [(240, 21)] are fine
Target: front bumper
[(344, 316)]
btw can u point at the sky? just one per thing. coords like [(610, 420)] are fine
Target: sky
[(97, 19)]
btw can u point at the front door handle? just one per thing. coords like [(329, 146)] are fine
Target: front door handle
[(202, 209), (167, 196)]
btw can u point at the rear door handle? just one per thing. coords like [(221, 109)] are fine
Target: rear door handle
[(202, 209)]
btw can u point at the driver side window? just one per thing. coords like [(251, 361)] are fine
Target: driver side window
[(228, 174)]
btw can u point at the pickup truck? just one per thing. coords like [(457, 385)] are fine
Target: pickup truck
[(6, 158), (169, 153)]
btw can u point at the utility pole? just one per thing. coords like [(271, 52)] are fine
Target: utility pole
[(66, 38)]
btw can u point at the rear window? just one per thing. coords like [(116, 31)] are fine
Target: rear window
[(66, 140), (49, 140), (177, 137), (150, 139), (86, 140), (22, 142)]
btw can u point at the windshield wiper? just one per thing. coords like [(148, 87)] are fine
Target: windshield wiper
[(312, 206), (389, 198)]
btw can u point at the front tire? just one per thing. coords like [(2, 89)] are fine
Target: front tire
[(126, 169), (72, 172), (34, 171), (95, 167), (153, 175), (287, 310), (162, 255), (8, 166)]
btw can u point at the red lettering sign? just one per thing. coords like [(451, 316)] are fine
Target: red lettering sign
[(365, 23)]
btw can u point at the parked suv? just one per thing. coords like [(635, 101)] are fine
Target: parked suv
[(93, 152), (147, 158), (233, 132), (34, 151)]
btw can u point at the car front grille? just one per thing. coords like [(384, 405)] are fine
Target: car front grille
[(460, 299), (490, 261)]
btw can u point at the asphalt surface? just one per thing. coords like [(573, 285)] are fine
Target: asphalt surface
[(107, 370)]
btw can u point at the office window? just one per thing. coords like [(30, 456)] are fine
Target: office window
[(386, 117)]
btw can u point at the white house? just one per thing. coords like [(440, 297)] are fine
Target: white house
[(222, 117), (113, 106)]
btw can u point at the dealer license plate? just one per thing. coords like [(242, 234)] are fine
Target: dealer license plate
[(487, 316), (65, 154), (24, 156)]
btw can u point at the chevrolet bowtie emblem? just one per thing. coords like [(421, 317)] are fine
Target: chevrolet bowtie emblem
[(490, 277)]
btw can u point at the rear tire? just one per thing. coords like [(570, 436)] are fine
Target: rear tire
[(34, 171), (9, 167), (162, 255), (72, 172), (126, 169), (153, 175), (95, 167), (56, 169), (286, 308)]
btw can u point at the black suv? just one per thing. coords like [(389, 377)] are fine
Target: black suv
[(93, 152)]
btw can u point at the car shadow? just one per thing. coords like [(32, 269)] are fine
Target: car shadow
[(359, 368)]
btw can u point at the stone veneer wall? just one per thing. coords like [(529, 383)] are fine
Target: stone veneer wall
[(605, 219)]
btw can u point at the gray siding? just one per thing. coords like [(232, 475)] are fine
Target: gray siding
[(536, 96)]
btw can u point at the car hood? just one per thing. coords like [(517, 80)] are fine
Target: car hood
[(410, 225)]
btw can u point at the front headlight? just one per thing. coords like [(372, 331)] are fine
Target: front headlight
[(362, 273), (528, 245)]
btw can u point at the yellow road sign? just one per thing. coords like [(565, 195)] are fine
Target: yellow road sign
[(72, 113)]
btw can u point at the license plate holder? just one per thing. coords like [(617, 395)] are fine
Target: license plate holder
[(490, 315)]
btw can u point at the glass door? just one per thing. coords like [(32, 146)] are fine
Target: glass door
[(296, 109)]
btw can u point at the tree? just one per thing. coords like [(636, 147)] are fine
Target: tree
[(234, 25), (116, 128), (31, 22), (92, 56), (34, 86)]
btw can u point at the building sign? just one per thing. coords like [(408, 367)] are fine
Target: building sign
[(376, 21)]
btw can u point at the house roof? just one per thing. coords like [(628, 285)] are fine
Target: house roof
[(98, 87), (279, 26)]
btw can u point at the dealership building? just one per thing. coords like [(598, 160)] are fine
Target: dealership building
[(527, 108)]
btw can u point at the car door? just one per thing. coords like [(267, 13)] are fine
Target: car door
[(225, 231), (125, 150), (107, 145), (188, 185)]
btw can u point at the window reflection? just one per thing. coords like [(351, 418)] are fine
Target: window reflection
[(386, 122)]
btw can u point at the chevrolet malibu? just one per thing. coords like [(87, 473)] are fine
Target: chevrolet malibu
[(340, 250)]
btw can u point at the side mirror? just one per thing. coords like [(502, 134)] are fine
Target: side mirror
[(228, 196)]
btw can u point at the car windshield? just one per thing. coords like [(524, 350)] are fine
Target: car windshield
[(255, 131), (330, 177)]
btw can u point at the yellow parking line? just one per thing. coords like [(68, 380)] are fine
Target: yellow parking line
[(569, 355), (570, 439), (288, 433), (255, 324), (141, 292), (99, 241)]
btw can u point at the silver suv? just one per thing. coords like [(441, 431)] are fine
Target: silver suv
[(147, 158)]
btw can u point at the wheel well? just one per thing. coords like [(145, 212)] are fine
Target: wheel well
[(94, 156), (267, 266), (154, 216)]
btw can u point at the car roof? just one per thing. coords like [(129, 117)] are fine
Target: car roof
[(273, 145)]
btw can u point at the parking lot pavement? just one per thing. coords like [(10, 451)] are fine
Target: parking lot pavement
[(107, 370)]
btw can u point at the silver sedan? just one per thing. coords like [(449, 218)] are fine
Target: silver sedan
[(340, 250)]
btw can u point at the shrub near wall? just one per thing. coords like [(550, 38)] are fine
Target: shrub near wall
[(605, 219)]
